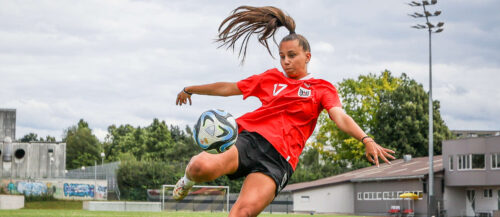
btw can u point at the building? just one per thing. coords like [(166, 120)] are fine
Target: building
[(7, 123), (472, 172), (370, 191), (28, 160), (466, 183), (37, 168), (460, 134)]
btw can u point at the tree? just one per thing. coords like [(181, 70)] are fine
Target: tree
[(33, 137), (360, 99), (155, 142), (403, 120), (30, 137), (82, 147)]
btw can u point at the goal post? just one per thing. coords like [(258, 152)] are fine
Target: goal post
[(198, 198)]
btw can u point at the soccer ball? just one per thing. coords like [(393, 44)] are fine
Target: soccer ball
[(215, 130)]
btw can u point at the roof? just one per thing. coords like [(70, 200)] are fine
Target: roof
[(398, 169)]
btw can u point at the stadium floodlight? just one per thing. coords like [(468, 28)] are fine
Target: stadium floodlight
[(431, 208)]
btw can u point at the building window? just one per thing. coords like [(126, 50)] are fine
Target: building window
[(495, 161), (477, 161), (488, 193), (450, 162), (304, 198), (471, 161), (360, 196)]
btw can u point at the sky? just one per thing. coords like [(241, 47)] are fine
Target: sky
[(124, 61)]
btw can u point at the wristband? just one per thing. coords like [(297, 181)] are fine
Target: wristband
[(363, 139), (188, 93)]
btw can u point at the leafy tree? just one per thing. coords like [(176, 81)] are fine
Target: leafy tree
[(154, 142), (360, 99), (403, 120), (30, 137), (33, 137), (82, 147), (49, 138)]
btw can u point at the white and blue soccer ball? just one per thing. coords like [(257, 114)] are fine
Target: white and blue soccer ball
[(215, 130)]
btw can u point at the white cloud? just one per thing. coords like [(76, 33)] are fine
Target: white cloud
[(123, 62)]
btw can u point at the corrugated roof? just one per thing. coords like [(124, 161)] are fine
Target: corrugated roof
[(398, 169)]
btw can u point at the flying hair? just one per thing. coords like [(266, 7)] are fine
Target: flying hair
[(247, 20)]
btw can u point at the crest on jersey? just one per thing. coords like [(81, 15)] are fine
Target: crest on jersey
[(303, 92)]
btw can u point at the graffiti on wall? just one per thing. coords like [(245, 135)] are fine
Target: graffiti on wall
[(102, 191), (78, 190), (31, 188), (61, 190), (27, 187)]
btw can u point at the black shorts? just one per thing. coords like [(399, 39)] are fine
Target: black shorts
[(256, 154)]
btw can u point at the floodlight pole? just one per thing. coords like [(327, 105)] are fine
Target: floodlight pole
[(431, 201)]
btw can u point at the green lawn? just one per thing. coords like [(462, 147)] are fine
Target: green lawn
[(74, 208), (79, 213)]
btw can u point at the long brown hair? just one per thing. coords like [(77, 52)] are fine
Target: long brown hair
[(264, 21)]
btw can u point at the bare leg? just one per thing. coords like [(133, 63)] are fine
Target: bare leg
[(257, 192), (206, 167)]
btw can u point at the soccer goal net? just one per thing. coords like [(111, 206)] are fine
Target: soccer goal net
[(200, 198)]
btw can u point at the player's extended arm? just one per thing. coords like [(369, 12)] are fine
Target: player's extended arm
[(214, 89), (348, 125)]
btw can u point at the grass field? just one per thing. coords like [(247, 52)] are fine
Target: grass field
[(78, 213), (74, 209)]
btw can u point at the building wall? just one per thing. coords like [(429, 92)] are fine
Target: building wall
[(383, 189), (67, 189), (7, 124), (40, 160), (473, 177), (383, 202), (455, 201), (330, 199)]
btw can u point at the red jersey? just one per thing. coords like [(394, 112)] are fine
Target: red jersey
[(289, 111)]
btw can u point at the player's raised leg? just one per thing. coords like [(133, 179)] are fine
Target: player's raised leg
[(206, 167), (257, 192)]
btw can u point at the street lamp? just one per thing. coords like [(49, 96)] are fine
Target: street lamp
[(431, 29), (102, 157)]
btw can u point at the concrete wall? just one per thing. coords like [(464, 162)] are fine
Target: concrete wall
[(68, 189), (11, 201), (454, 201), (474, 177), (122, 206), (35, 160), (7, 124), (330, 199)]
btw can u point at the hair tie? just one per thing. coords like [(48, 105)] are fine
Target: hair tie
[(292, 32)]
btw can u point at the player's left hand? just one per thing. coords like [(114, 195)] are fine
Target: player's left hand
[(375, 151), (182, 98)]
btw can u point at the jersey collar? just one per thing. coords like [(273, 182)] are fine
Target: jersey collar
[(308, 76)]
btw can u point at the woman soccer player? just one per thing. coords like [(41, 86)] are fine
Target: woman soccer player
[(272, 137)]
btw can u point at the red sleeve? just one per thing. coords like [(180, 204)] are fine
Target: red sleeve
[(330, 98), (249, 86)]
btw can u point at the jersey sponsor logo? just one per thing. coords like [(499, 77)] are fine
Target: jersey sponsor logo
[(303, 92), (307, 85), (281, 87)]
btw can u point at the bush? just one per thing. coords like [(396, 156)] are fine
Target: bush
[(135, 177), (42, 197)]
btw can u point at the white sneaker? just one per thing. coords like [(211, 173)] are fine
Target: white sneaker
[(181, 189)]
